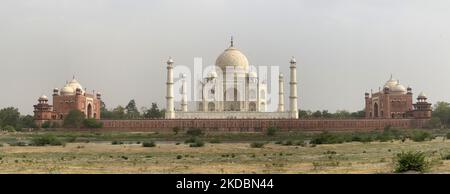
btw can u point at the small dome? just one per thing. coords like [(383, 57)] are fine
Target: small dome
[(212, 74), (252, 74), (422, 95), (293, 60), (170, 61), (281, 75), (43, 97)]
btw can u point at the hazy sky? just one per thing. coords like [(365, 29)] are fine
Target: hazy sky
[(119, 47)]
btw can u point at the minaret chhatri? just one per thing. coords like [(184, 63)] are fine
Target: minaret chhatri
[(170, 114), (281, 93), (183, 93), (293, 89)]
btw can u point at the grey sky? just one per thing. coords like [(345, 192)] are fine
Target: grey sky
[(119, 47)]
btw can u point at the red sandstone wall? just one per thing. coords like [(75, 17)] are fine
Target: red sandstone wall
[(260, 124)]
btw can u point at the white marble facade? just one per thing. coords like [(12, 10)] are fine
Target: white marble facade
[(231, 90)]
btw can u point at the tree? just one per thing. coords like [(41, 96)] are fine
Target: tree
[(154, 112), (9, 116), (442, 111), (118, 113), (317, 114), (326, 114), (358, 114), (132, 110), (304, 114), (92, 123), (104, 112), (26, 122), (342, 114), (74, 119)]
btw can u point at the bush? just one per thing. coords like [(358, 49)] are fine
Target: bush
[(92, 123), (179, 157), (194, 132), (326, 138), (410, 161), (176, 130), (257, 145), (46, 125), (197, 143), (419, 136), (115, 142), (215, 141), (46, 140), (8, 128), (191, 140), (149, 144), (20, 143), (448, 135), (445, 157), (271, 131), (74, 119), (287, 143)]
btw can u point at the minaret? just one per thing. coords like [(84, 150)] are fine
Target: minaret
[(183, 93), (281, 93), (293, 84), (170, 114)]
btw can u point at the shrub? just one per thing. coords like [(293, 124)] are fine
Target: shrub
[(287, 143), (92, 123), (191, 140), (257, 145), (46, 125), (445, 157), (197, 143), (410, 161), (115, 142), (194, 132), (448, 135), (149, 144), (8, 128), (326, 138), (179, 157), (74, 119), (20, 143), (215, 141), (46, 140), (176, 130), (271, 131), (419, 136)]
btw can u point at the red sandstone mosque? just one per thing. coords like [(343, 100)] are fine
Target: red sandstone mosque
[(396, 102), (72, 96)]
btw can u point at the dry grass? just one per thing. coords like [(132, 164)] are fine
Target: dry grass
[(374, 157)]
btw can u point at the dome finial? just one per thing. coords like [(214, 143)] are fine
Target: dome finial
[(231, 45)]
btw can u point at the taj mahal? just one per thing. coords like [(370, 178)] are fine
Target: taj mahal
[(232, 90)]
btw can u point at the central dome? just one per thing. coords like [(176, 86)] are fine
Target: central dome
[(232, 57)]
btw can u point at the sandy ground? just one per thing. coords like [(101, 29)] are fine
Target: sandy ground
[(374, 157)]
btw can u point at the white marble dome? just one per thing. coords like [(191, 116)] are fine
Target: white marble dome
[(67, 90), (390, 83), (398, 88), (43, 97), (232, 57), (422, 95)]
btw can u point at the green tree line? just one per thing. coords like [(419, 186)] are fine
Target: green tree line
[(130, 111), (339, 114)]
